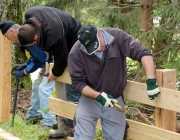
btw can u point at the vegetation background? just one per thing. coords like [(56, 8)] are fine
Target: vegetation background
[(155, 23)]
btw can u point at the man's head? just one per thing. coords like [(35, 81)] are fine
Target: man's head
[(88, 36), (9, 29), (28, 35)]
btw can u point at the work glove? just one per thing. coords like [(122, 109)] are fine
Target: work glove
[(152, 88), (20, 66), (19, 74), (106, 100)]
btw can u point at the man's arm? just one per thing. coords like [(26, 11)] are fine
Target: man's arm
[(37, 59), (152, 87), (149, 67), (89, 92)]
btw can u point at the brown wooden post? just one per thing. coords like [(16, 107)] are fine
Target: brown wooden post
[(5, 78), (60, 94), (166, 119), (59, 90)]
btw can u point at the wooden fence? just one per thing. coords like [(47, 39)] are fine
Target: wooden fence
[(167, 104)]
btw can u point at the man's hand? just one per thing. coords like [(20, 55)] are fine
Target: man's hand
[(152, 88), (19, 74), (106, 99), (52, 77), (20, 66)]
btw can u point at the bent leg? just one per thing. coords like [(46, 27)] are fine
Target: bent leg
[(87, 114), (114, 122)]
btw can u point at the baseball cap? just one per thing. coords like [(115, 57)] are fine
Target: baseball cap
[(88, 36), (5, 26)]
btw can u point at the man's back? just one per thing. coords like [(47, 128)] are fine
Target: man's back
[(53, 24)]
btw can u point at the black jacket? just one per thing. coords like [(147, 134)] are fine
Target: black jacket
[(58, 32)]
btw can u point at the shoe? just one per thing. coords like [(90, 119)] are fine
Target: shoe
[(63, 132), (55, 126), (46, 127), (33, 120)]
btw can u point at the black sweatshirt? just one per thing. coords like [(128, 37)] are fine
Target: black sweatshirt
[(58, 32)]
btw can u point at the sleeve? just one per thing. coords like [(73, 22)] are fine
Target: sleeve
[(130, 47), (28, 61), (37, 59), (76, 71), (60, 53)]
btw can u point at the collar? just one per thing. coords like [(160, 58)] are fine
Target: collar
[(108, 38)]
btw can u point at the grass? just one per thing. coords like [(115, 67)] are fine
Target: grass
[(32, 132), (25, 131)]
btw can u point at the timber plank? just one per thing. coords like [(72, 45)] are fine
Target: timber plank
[(168, 99), (137, 130), (7, 136), (5, 80), (64, 78), (140, 131), (69, 138)]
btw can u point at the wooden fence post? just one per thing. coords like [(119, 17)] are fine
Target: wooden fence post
[(5, 78), (60, 94), (166, 119)]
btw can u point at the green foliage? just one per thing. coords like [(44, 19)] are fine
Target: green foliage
[(108, 13), (25, 131), (11, 10), (18, 58), (62, 4), (99, 135), (166, 34)]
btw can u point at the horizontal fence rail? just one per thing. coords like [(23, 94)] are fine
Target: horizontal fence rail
[(168, 99)]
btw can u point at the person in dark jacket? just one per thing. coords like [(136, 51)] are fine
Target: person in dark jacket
[(54, 31), (97, 66), (41, 91)]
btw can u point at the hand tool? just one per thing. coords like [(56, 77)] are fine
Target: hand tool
[(117, 106), (47, 69), (15, 100)]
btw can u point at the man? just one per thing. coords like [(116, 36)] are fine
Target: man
[(41, 90), (97, 66), (54, 31)]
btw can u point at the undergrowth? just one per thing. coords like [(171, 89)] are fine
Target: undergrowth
[(32, 132)]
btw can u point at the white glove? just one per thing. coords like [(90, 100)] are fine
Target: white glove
[(106, 100)]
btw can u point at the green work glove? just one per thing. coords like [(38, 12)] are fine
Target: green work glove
[(106, 100), (152, 88)]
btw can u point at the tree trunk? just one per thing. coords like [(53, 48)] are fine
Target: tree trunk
[(146, 24), (10, 10)]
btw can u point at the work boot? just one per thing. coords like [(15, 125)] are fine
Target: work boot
[(63, 132), (55, 125), (33, 120)]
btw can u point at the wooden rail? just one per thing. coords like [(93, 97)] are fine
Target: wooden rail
[(7, 136), (169, 99)]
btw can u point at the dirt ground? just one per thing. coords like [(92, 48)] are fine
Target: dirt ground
[(23, 102)]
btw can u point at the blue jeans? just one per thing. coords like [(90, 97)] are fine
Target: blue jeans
[(41, 91), (72, 96)]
